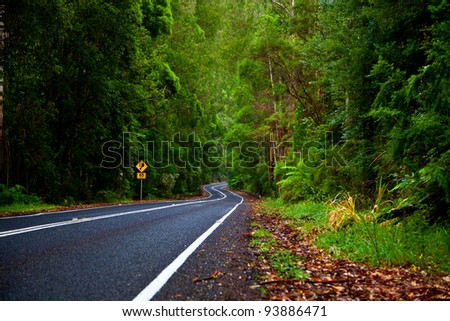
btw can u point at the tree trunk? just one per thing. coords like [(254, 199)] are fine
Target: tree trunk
[(2, 44), (272, 155)]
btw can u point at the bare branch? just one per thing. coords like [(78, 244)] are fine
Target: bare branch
[(280, 5)]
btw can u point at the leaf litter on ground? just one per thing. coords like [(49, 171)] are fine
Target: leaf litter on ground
[(328, 278)]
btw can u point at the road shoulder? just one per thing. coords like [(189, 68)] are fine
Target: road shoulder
[(221, 268)]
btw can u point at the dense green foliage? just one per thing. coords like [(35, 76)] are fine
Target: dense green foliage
[(16, 195), (349, 93), (89, 84), (302, 99)]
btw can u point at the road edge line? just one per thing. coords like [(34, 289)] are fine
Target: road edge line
[(150, 291)]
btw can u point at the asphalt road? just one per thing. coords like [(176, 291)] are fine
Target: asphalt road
[(125, 252)]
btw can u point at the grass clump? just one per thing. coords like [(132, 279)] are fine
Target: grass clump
[(5, 210), (342, 213), (287, 265), (263, 240), (284, 264), (309, 215)]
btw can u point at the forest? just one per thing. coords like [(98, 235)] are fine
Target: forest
[(301, 100)]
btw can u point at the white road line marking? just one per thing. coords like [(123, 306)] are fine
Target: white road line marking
[(149, 292), (102, 217), (91, 208)]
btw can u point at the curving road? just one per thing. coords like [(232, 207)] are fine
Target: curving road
[(123, 252)]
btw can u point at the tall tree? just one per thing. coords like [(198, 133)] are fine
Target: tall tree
[(2, 44)]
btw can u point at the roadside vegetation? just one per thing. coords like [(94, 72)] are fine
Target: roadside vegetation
[(16, 200), (358, 235), (327, 262)]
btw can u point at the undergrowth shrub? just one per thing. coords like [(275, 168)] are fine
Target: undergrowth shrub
[(296, 184), (16, 195), (343, 213), (106, 196)]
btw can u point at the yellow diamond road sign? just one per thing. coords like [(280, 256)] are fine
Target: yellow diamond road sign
[(141, 166)]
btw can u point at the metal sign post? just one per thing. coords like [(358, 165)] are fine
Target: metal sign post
[(141, 166)]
